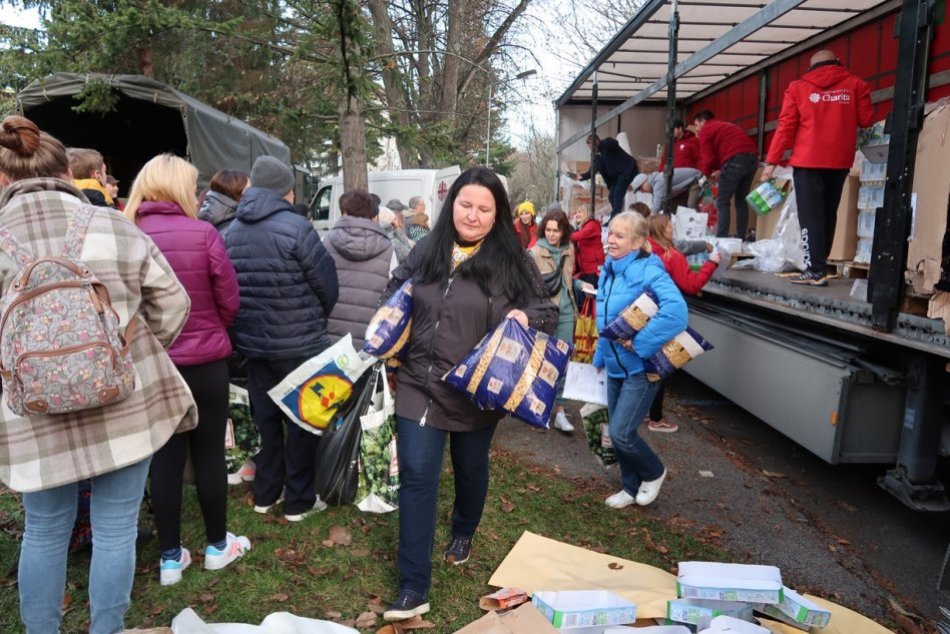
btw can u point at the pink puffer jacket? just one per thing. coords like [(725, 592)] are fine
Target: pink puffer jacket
[(197, 254)]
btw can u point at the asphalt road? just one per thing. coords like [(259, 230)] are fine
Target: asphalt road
[(830, 529)]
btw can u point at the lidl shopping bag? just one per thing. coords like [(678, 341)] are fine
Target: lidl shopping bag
[(598, 436), (378, 466), (585, 332), (313, 394), (675, 353), (514, 369), (389, 328)]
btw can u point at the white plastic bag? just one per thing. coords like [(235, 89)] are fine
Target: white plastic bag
[(378, 490), (312, 394), (188, 622)]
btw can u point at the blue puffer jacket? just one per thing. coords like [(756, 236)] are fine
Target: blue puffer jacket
[(287, 279), (621, 282)]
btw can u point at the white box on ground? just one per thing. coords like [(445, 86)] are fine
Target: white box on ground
[(735, 626), (729, 582), (797, 608), (650, 629), (701, 612), (570, 609)]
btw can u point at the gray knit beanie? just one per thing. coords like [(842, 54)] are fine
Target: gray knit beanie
[(270, 173)]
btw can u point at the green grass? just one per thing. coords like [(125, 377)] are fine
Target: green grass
[(291, 569)]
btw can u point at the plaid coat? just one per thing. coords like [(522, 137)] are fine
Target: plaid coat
[(42, 452)]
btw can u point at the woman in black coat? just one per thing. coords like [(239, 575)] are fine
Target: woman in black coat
[(468, 274)]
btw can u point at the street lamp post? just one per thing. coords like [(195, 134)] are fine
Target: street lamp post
[(491, 95)]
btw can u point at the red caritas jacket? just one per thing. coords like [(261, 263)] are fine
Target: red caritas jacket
[(820, 117), (719, 141), (685, 152), (689, 282), (589, 248)]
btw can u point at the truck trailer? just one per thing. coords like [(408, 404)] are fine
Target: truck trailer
[(852, 381)]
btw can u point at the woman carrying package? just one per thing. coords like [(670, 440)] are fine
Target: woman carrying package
[(163, 205), (45, 455), (689, 282), (588, 245), (468, 274), (630, 271), (554, 255)]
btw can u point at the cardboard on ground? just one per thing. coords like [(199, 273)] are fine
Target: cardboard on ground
[(525, 619), (539, 563)]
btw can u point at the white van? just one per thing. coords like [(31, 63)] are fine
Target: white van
[(432, 185)]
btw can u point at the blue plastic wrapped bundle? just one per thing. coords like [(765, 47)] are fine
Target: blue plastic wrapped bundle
[(675, 353), (514, 369), (633, 318), (389, 328)]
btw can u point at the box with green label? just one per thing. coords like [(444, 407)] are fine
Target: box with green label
[(569, 609)]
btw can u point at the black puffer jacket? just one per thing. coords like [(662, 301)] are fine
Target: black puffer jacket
[(286, 277), (446, 325)]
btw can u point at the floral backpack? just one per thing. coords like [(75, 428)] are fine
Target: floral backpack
[(60, 346)]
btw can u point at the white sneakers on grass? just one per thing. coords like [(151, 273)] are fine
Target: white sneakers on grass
[(170, 570), (647, 493)]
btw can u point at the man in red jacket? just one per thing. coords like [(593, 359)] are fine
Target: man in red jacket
[(727, 153), (685, 154), (819, 121)]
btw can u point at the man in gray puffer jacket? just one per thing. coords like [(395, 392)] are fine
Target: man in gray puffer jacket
[(364, 258)]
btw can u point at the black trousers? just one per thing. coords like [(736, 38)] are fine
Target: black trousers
[(288, 465), (817, 194), (209, 386)]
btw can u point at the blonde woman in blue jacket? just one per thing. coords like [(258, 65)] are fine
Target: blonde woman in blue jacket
[(629, 271)]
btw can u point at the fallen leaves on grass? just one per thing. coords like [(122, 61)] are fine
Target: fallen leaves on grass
[(340, 535), (280, 597), (415, 623), (507, 506), (366, 619)]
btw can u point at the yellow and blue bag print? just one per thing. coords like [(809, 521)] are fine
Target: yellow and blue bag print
[(513, 369), (314, 393), (389, 329)]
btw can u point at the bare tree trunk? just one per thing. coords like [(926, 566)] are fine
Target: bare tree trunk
[(353, 146), (146, 59), (396, 98)]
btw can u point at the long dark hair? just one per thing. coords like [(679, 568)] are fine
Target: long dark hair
[(500, 259)]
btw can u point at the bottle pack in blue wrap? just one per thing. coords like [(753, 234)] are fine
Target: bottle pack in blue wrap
[(514, 369)]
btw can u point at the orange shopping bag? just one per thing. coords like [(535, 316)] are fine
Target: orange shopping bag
[(585, 332)]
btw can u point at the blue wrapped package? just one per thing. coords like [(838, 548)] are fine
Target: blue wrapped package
[(633, 318), (514, 369), (389, 328), (675, 353)]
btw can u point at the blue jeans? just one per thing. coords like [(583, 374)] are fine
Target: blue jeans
[(113, 512), (421, 449), (628, 401)]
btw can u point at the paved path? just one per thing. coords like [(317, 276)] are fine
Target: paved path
[(830, 530)]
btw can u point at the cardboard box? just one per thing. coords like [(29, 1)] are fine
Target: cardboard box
[(800, 610), (700, 612), (524, 620), (932, 185), (650, 629), (570, 609), (846, 226), (729, 582)]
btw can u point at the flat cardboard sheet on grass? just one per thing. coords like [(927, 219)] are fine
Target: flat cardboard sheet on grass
[(539, 563)]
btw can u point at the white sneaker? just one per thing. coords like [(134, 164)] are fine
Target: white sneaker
[(244, 474), (263, 509), (649, 490), (562, 423), (236, 547), (170, 569), (620, 500), (318, 505)]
